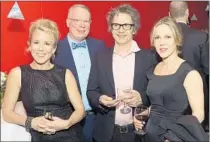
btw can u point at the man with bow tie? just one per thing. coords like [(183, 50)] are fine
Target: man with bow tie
[(76, 52)]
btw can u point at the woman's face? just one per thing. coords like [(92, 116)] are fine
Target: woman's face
[(42, 46), (164, 41), (124, 34)]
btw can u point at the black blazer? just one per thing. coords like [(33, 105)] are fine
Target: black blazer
[(101, 81), (195, 48), (64, 57)]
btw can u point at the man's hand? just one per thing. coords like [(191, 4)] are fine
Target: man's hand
[(133, 100), (108, 101)]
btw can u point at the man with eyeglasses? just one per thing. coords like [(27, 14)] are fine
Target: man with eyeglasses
[(76, 52), (120, 68)]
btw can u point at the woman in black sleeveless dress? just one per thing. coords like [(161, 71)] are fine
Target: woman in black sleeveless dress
[(45, 89), (173, 87)]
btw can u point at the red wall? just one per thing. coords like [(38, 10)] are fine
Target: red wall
[(14, 33)]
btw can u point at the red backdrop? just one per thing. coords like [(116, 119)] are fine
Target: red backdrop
[(14, 33)]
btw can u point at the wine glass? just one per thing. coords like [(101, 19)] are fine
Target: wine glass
[(48, 115), (141, 113), (122, 92)]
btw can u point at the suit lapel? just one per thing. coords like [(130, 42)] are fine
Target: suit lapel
[(109, 72), (90, 48), (137, 69)]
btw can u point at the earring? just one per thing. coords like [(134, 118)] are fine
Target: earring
[(53, 57)]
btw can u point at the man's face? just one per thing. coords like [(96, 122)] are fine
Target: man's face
[(122, 34), (78, 22)]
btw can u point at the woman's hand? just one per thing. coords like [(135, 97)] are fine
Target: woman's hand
[(43, 125), (59, 124), (138, 124)]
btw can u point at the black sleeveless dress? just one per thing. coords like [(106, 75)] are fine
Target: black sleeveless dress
[(45, 90), (169, 108)]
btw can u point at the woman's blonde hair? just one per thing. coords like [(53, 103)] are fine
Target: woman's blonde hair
[(174, 27), (45, 25)]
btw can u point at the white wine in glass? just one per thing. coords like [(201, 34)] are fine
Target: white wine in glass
[(122, 92)]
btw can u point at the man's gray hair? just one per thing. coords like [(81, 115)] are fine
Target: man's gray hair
[(126, 9)]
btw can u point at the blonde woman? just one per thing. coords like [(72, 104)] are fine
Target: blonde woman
[(173, 87), (49, 93)]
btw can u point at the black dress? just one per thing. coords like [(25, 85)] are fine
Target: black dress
[(45, 91), (169, 108)]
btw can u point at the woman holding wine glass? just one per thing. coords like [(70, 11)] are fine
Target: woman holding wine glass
[(173, 87), (49, 93)]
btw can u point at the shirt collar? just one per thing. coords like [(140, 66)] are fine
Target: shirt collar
[(70, 40), (134, 47)]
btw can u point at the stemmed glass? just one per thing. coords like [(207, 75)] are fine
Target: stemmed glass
[(141, 113), (122, 92), (48, 115)]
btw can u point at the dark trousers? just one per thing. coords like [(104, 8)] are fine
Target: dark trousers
[(88, 126), (123, 134)]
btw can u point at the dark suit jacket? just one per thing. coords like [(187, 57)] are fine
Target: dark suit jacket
[(64, 57), (195, 48), (101, 81)]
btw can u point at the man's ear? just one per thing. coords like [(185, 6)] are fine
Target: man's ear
[(187, 13), (134, 32), (29, 46), (169, 14), (67, 22)]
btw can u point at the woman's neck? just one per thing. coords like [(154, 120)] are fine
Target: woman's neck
[(45, 66), (170, 61)]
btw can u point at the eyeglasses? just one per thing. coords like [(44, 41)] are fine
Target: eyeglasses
[(77, 21), (116, 26)]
